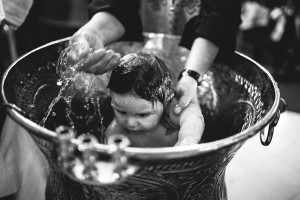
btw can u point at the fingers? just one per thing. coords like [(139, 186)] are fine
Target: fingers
[(185, 97), (93, 61), (185, 91), (87, 37), (113, 63), (101, 61), (86, 49), (77, 51), (94, 58), (81, 44)]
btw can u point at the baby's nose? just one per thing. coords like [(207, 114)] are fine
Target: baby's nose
[(131, 122)]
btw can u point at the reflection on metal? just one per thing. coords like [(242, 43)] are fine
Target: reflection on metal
[(253, 92), (81, 161), (8, 30), (238, 101), (266, 139), (206, 92), (14, 107)]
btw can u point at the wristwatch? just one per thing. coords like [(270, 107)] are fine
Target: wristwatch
[(187, 72)]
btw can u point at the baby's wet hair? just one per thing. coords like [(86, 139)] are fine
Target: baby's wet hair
[(144, 75)]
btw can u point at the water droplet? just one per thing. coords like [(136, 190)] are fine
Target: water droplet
[(22, 84)]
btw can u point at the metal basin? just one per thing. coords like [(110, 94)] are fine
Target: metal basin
[(238, 100)]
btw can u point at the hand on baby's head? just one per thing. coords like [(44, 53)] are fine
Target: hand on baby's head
[(87, 53)]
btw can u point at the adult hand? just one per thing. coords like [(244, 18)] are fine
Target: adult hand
[(185, 91), (190, 121), (87, 48), (201, 56)]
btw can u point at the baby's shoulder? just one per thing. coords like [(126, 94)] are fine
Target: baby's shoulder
[(167, 129), (113, 127)]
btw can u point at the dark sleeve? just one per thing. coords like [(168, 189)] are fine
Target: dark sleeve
[(272, 3), (126, 11), (218, 21)]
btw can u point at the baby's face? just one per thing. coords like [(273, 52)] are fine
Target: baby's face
[(135, 114)]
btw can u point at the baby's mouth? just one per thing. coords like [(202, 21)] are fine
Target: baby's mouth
[(131, 130)]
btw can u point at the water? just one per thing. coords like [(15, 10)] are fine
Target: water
[(79, 102)]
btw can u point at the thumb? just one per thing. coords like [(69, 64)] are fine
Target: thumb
[(182, 103)]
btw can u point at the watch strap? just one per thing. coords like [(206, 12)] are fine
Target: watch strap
[(187, 72)]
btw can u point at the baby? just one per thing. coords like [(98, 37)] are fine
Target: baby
[(142, 95)]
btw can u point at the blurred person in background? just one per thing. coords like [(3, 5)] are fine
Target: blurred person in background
[(268, 34), (284, 43), (254, 29), (15, 13)]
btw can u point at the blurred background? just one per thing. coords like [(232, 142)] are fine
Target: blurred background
[(269, 34)]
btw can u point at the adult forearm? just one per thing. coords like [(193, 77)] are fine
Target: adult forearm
[(202, 55), (106, 26)]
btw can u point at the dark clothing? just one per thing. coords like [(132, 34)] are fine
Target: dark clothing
[(126, 11), (218, 21), (271, 3)]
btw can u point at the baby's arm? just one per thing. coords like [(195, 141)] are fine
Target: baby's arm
[(191, 124)]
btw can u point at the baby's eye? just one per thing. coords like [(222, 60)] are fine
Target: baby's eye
[(144, 115), (121, 112)]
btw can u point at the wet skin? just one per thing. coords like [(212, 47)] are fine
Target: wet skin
[(139, 120)]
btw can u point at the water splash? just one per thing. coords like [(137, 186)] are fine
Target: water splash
[(78, 103)]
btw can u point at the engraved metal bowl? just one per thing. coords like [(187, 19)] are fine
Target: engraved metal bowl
[(238, 100)]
